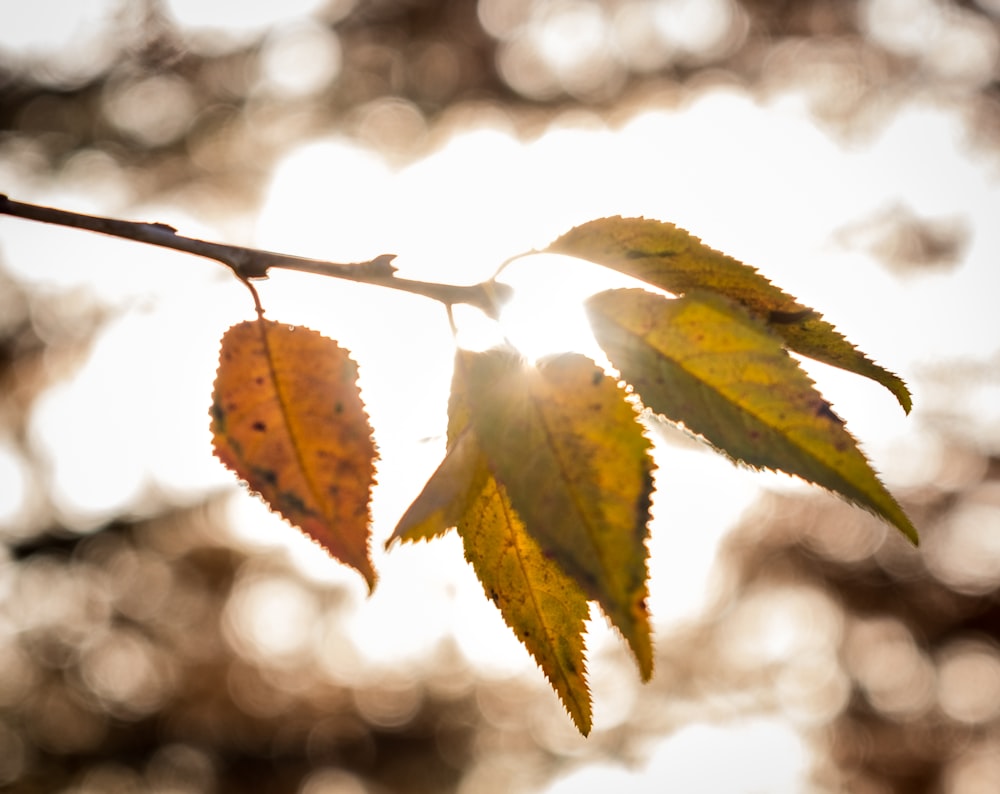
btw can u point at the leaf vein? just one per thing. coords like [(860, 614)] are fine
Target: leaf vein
[(286, 414), (590, 529)]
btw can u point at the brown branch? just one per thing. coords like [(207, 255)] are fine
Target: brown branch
[(251, 263)]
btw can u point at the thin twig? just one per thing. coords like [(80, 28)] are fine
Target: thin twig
[(251, 263)]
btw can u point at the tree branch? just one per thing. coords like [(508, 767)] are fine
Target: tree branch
[(251, 263)]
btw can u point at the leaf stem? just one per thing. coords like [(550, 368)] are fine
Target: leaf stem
[(511, 259), (256, 297), (250, 263)]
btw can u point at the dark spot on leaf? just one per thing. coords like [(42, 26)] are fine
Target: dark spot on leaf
[(260, 427), (294, 504), (259, 380), (824, 409), (338, 407), (597, 377), (637, 254), (787, 318), (268, 475)]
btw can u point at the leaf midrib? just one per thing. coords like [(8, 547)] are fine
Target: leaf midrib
[(550, 634), (286, 415), (589, 529), (860, 494)]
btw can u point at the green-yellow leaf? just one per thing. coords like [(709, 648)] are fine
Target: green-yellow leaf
[(541, 604), (448, 495), (564, 443), (704, 361), (670, 258), (287, 418)]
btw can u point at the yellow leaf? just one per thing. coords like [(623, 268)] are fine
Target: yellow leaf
[(566, 446), (543, 606), (704, 361), (287, 418), (670, 258), (448, 495)]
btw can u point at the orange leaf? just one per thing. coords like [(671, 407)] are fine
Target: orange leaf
[(287, 417)]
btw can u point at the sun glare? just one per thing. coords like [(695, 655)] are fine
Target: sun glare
[(547, 315)]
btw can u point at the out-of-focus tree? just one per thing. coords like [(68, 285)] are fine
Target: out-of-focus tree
[(123, 646), (903, 651)]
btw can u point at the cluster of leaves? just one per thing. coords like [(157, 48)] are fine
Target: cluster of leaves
[(547, 475)]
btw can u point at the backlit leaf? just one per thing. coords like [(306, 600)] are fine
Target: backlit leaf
[(287, 417), (564, 443), (448, 495), (670, 258), (541, 604), (704, 361)]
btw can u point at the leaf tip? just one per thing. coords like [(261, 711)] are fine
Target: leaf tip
[(643, 650), (904, 397), (909, 531), (891, 381)]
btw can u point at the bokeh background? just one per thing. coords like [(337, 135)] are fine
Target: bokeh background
[(160, 631)]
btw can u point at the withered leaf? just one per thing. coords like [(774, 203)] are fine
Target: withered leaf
[(287, 418)]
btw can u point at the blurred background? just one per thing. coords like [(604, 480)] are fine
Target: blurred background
[(160, 631)]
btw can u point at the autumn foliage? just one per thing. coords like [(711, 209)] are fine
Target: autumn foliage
[(547, 475), (287, 417)]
